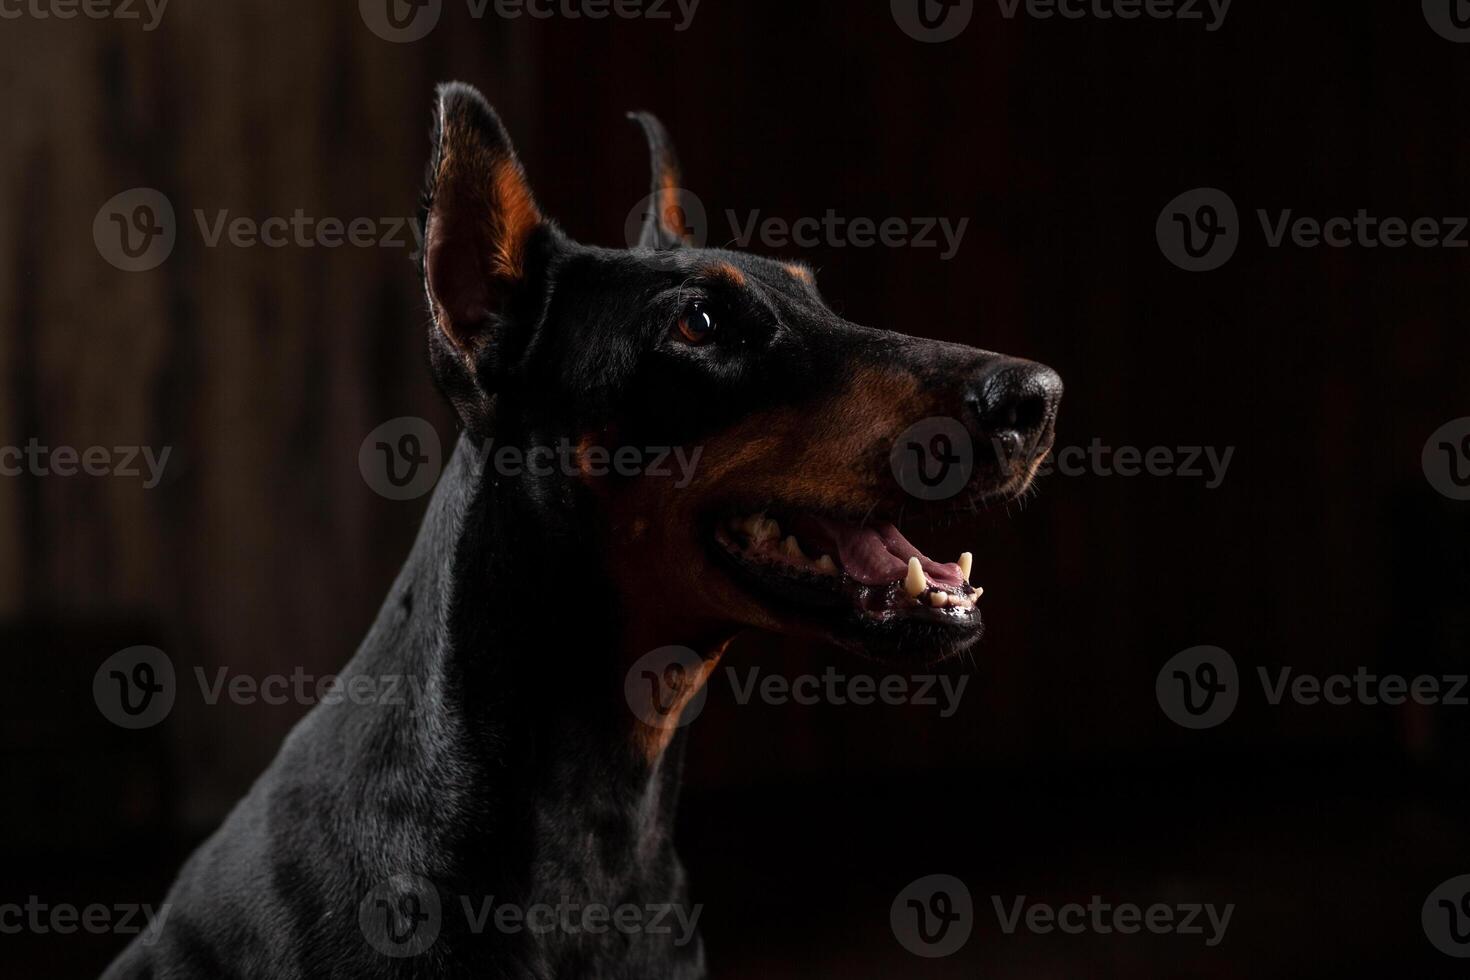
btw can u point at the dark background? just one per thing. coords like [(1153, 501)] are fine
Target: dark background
[(1325, 548)]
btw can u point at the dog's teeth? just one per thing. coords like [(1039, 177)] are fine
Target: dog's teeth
[(978, 593), (826, 565), (967, 561), (791, 549), (913, 582), (762, 530), (939, 599)]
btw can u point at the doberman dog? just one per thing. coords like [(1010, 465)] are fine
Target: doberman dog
[(422, 839)]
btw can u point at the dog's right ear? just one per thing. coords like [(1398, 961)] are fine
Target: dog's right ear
[(664, 225), (481, 227)]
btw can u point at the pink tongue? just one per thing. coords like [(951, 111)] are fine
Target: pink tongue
[(877, 555)]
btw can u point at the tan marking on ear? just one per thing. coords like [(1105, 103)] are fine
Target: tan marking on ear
[(727, 272), (517, 217), (491, 182), (671, 214)]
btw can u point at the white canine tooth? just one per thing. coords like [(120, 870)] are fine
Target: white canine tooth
[(913, 582), (826, 565), (967, 561), (939, 599), (978, 593), (792, 549)]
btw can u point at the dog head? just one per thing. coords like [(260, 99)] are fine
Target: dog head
[(725, 448)]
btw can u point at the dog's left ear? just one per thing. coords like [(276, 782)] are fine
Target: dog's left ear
[(664, 225), (481, 226)]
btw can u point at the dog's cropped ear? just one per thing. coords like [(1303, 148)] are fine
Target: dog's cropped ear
[(664, 225), (480, 224)]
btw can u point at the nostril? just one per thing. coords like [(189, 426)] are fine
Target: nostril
[(1029, 413)]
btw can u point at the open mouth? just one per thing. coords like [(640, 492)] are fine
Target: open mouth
[(863, 571)]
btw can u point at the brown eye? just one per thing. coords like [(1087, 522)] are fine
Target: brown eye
[(697, 325)]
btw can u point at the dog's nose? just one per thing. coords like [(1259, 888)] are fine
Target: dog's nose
[(1014, 404)]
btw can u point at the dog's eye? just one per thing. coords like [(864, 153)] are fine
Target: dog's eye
[(696, 325)]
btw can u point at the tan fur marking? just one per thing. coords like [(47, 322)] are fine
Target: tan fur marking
[(670, 207), (801, 272), (727, 272), (652, 740), (517, 217)]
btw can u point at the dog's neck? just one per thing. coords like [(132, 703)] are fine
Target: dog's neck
[(544, 785)]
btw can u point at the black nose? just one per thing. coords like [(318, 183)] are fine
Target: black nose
[(1014, 404)]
